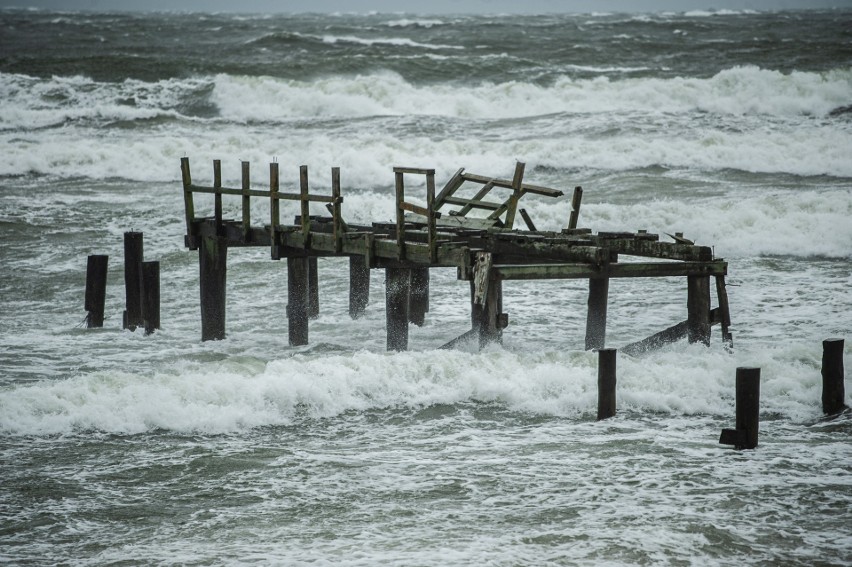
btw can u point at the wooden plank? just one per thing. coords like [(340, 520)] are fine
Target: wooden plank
[(452, 185), (507, 184), (406, 206), (527, 220), (512, 202), (415, 170), (658, 340), (188, 205), (469, 204), (652, 249), (476, 201), (617, 270)]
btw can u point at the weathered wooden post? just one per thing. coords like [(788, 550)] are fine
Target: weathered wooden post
[(833, 388), (133, 254), (486, 301), (298, 300), (397, 297), (359, 285), (606, 382), (576, 199), (151, 296), (96, 281), (313, 288), (747, 410), (698, 309), (419, 299), (596, 316), (213, 264)]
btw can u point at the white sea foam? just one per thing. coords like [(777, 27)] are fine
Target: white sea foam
[(244, 393), (396, 41), (737, 91), (419, 23)]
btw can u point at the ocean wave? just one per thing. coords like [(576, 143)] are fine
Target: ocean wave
[(245, 393), (31, 103), (416, 23), (736, 91), (394, 41)]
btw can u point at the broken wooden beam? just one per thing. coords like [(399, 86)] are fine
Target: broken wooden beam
[(658, 340)]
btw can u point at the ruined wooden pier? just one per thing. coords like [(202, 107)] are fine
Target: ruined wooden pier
[(439, 231)]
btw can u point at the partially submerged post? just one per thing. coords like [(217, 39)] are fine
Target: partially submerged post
[(359, 285), (313, 288), (298, 300), (698, 309), (606, 383), (213, 265), (133, 255), (151, 296), (419, 300), (96, 281), (833, 388), (747, 411), (596, 316), (397, 290)]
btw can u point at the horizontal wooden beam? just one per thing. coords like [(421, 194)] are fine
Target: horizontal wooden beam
[(263, 194), (473, 203), (415, 170), (614, 270), (649, 248), (507, 184)]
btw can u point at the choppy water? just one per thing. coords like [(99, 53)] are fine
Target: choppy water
[(119, 448)]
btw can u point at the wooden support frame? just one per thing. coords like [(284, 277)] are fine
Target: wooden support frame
[(405, 246)]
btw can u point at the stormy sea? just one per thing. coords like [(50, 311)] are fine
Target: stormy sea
[(117, 448)]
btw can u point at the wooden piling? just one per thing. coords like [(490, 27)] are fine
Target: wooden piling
[(576, 199), (833, 388), (418, 304), (359, 285), (698, 309), (298, 300), (246, 200), (96, 281), (213, 263), (217, 198), (397, 297), (486, 301), (151, 296), (313, 288), (747, 411), (133, 254), (596, 315), (606, 382)]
